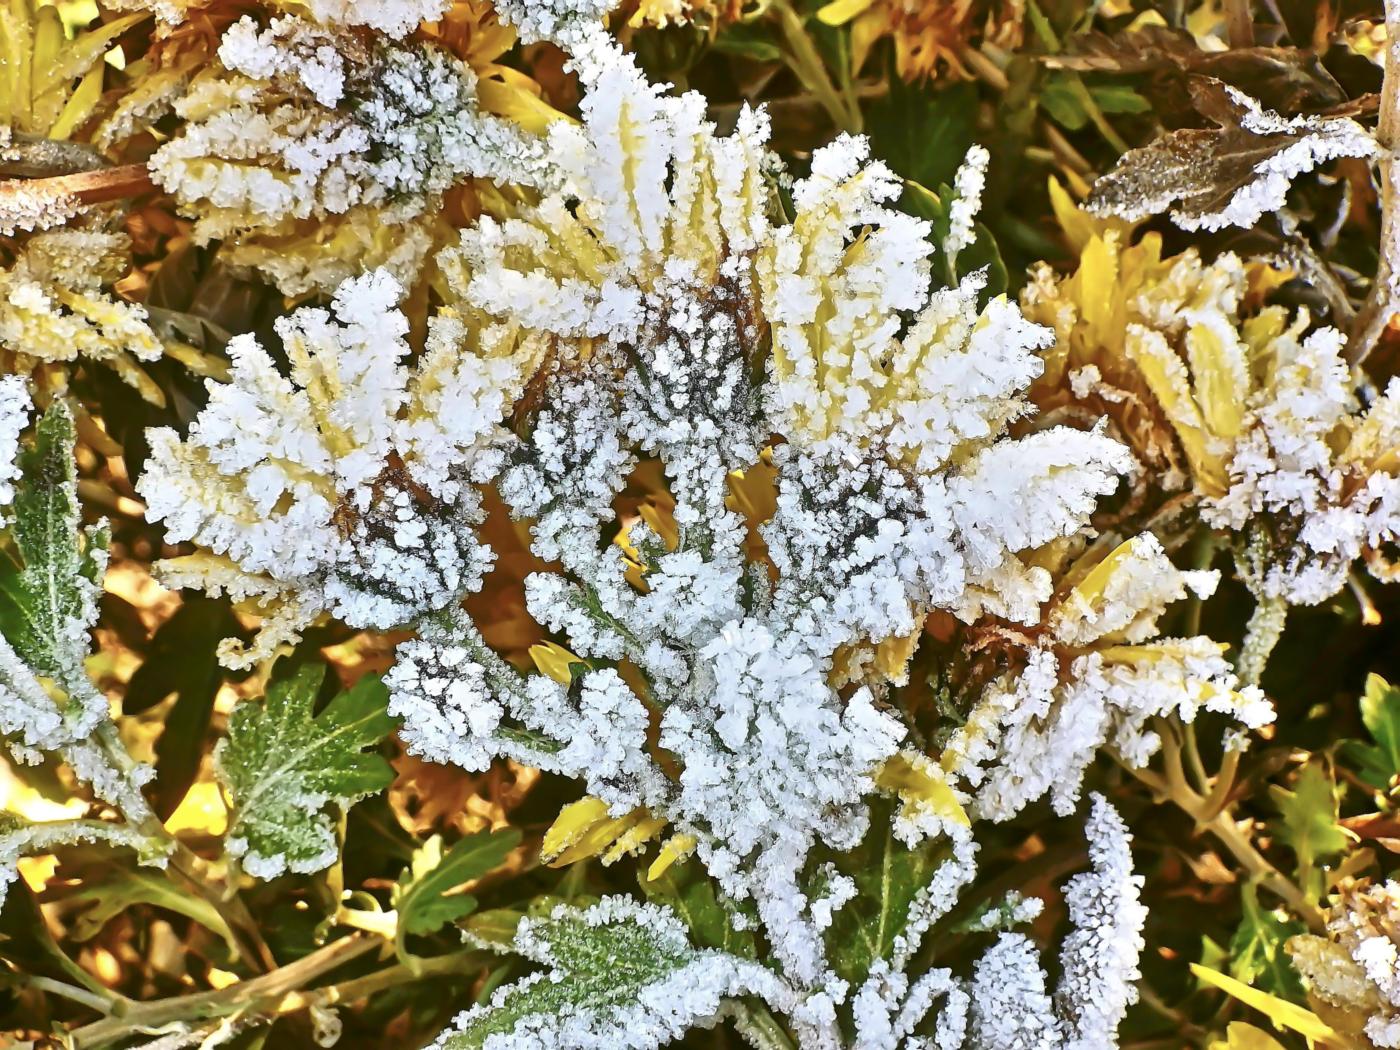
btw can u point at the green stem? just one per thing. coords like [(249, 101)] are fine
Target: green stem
[(258, 994), (801, 56)]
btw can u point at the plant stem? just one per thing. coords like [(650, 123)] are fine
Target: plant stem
[(257, 993), (1260, 636), (801, 56), (1212, 813), (1380, 305)]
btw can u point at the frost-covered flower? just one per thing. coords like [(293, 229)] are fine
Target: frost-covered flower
[(1356, 966), (662, 278), (348, 486), (54, 308), (1259, 417), (393, 18), (1096, 675), (303, 132)]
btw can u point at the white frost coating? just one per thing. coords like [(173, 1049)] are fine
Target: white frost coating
[(1099, 958), (1356, 966), (348, 487), (303, 123), (25, 839), (14, 417), (654, 274), (620, 974), (968, 184)]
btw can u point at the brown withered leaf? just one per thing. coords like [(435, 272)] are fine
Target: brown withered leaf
[(1229, 175), (1289, 80)]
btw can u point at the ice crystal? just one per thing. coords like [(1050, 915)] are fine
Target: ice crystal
[(1230, 176), (1099, 675), (1356, 966), (54, 307)]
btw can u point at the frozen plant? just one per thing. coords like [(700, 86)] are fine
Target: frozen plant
[(302, 122), (689, 327)]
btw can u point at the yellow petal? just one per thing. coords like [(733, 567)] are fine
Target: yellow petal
[(554, 660), (638, 835), (839, 12), (920, 783), (573, 822), (1280, 1011), (676, 848)]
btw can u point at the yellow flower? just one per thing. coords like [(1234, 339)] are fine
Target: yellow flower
[(1162, 346)]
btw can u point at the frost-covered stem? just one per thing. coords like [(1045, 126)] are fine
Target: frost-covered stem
[(805, 61), (1380, 303), (759, 1028), (1262, 633), (226, 1001)]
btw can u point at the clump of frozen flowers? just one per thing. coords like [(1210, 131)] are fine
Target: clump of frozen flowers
[(1096, 673), (662, 280), (55, 307), (1257, 415), (348, 486)]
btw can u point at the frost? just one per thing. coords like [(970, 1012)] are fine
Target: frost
[(1356, 966), (1099, 676), (303, 122), (21, 839), (54, 308), (284, 768), (619, 974)]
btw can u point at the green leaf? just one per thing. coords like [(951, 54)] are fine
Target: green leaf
[(1308, 823), (1119, 98), (47, 605), (1380, 711), (22, 838), (421, 895), (922, 134), (888, 875), (1059, 98), (688, 892), (618, 968), (287, 770), (753, 41), (1257, 953), (125, 889)]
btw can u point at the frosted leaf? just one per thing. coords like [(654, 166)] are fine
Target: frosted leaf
[(618, 974), (288, 772), (1232, 174), (19, 838), (15, 406), (54, 306), (1099, 958)]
